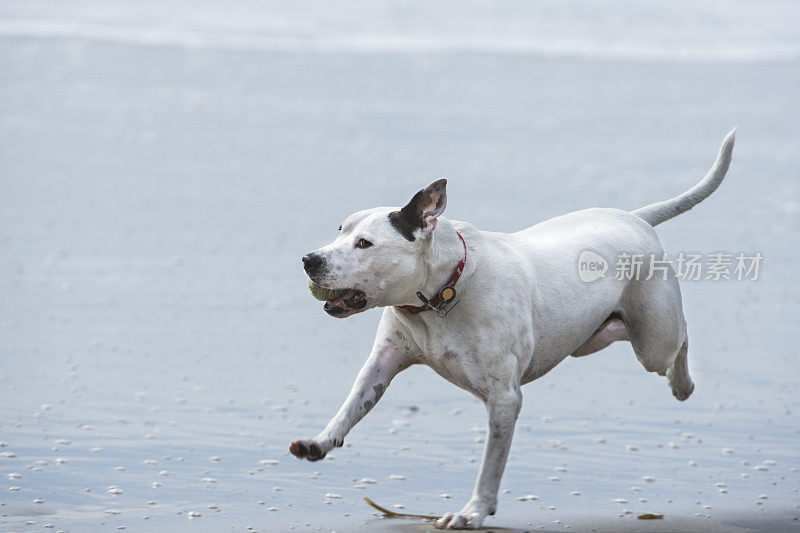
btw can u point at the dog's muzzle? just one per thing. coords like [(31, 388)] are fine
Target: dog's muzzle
[(339, 302)]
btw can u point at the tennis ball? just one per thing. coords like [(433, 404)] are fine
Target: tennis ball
[(323, 293)]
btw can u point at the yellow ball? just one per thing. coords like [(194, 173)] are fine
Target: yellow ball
[(323, 293)]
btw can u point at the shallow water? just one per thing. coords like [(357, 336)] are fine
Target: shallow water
[(159, 348)]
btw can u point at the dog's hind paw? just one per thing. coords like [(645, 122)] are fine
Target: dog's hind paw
[(307, 449), (683, 393)]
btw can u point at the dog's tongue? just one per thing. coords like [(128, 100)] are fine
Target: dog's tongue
[(323, 293)]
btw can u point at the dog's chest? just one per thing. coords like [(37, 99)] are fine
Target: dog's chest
[(434, 342), (449, 352)]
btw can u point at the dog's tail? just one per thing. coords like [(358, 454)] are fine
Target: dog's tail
[(659, 212)]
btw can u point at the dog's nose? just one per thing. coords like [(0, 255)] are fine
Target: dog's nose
[(312, 263)]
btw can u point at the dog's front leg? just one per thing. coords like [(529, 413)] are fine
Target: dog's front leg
[(386, 361), (503, 409)]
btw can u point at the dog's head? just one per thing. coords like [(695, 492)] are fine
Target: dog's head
[(378, 258)]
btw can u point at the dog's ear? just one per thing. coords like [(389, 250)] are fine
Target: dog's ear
[(420, 214)]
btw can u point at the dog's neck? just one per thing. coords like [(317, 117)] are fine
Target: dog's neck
[(439, 260)]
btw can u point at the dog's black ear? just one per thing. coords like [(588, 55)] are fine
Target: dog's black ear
[(420, 214)]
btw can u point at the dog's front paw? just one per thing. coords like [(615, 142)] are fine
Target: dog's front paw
[(308, 449), (470, 517)]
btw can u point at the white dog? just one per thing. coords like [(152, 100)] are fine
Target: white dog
[(491, 312)]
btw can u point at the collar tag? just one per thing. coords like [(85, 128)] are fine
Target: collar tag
[(447, 294)]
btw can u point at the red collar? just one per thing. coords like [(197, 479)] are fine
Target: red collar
[(445, 295)]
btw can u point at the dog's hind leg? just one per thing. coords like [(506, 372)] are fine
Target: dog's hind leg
[(611, 331), (654, 318), (678, 374)]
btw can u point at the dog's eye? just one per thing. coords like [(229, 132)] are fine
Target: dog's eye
[(363, 243), (340, 227)]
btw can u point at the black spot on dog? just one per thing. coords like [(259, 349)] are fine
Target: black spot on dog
[(368, 405), (379, 388), (497, 432), (404, 225)]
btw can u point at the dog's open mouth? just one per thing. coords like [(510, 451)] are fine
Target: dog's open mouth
[(339, 302), (351, 301)]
